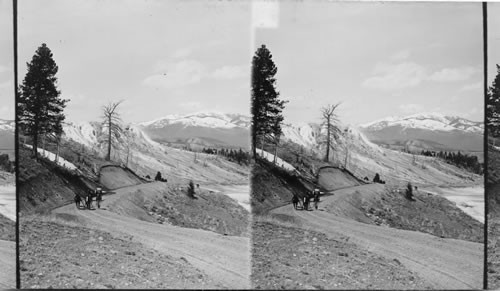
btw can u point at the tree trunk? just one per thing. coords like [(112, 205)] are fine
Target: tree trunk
[(43, 145), (57, 152), (275, 152), (327, 158), (109, 139), (35, 145), (254, 143)]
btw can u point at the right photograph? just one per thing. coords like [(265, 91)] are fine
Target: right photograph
[(368, 141), (493, 124)]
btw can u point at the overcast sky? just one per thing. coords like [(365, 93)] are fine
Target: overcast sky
[(378, 59), (161, 57), (6, 61), (493, 40)]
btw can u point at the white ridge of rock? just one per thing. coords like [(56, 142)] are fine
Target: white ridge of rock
[(270, 157)]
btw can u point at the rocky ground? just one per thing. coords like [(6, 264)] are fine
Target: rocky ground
[(288, 257), (96, 259), (426, 212), (493, 198), (169, 204), (493, 265)]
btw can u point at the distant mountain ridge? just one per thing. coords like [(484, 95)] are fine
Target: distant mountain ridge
[(426, 131), (202, 129), (430, 121), (7, 138)]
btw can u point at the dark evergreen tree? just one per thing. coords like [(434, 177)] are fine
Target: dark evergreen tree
[(266, 106), (493, 106), (40, 108)]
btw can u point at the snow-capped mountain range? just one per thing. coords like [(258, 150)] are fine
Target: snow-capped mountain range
[(202, 129), (7, 128), (7, 125), (430, 131), (428, 121), (426, 131), (201, 119)]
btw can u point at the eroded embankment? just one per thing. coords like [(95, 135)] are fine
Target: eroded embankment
[(168, 204)]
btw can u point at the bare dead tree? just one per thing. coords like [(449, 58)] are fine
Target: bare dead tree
[(330, 121), (111, 122)]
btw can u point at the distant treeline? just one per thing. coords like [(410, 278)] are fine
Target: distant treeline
[(238, 156), (469, 162)]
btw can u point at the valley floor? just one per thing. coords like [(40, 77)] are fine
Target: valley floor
[(328, 249), (116, 247)]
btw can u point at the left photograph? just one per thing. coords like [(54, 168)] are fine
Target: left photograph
[(7, 149), (133, 121)]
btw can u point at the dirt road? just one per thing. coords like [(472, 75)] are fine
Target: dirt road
[(444, 263), (225, 259), (8, 263)]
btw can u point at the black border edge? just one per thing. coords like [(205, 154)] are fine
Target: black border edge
[(16, 136), (485, 142)]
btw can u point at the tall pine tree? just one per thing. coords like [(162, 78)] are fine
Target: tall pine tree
[(40, 109), (266, 106), (493, 106)]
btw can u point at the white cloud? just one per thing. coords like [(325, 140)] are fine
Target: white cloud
[(265, 14), (176, 75), (191, 106), (472, 87), (411, 108), (9, 84), (453, 74), (401, 55), (396, 76), (182, 53), (4, 69), (7, 112), (231, 72)]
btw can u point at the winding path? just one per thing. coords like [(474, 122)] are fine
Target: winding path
[(8, 263), (444, 263), (226, 259)]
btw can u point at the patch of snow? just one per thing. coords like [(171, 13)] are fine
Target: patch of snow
[(279, 162), (52, 157)]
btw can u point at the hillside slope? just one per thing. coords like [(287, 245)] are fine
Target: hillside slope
[(146, 157), (363, 158)]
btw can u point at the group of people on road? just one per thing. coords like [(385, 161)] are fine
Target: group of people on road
[(86, 202), (306, 200)]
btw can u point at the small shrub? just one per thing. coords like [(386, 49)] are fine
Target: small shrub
[(190, 190), (409, 192)]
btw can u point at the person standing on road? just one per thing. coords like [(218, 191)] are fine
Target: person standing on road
[(316, 198), (295, 201), (98, 197), (89, 199), (306, 201), (78, 200)]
